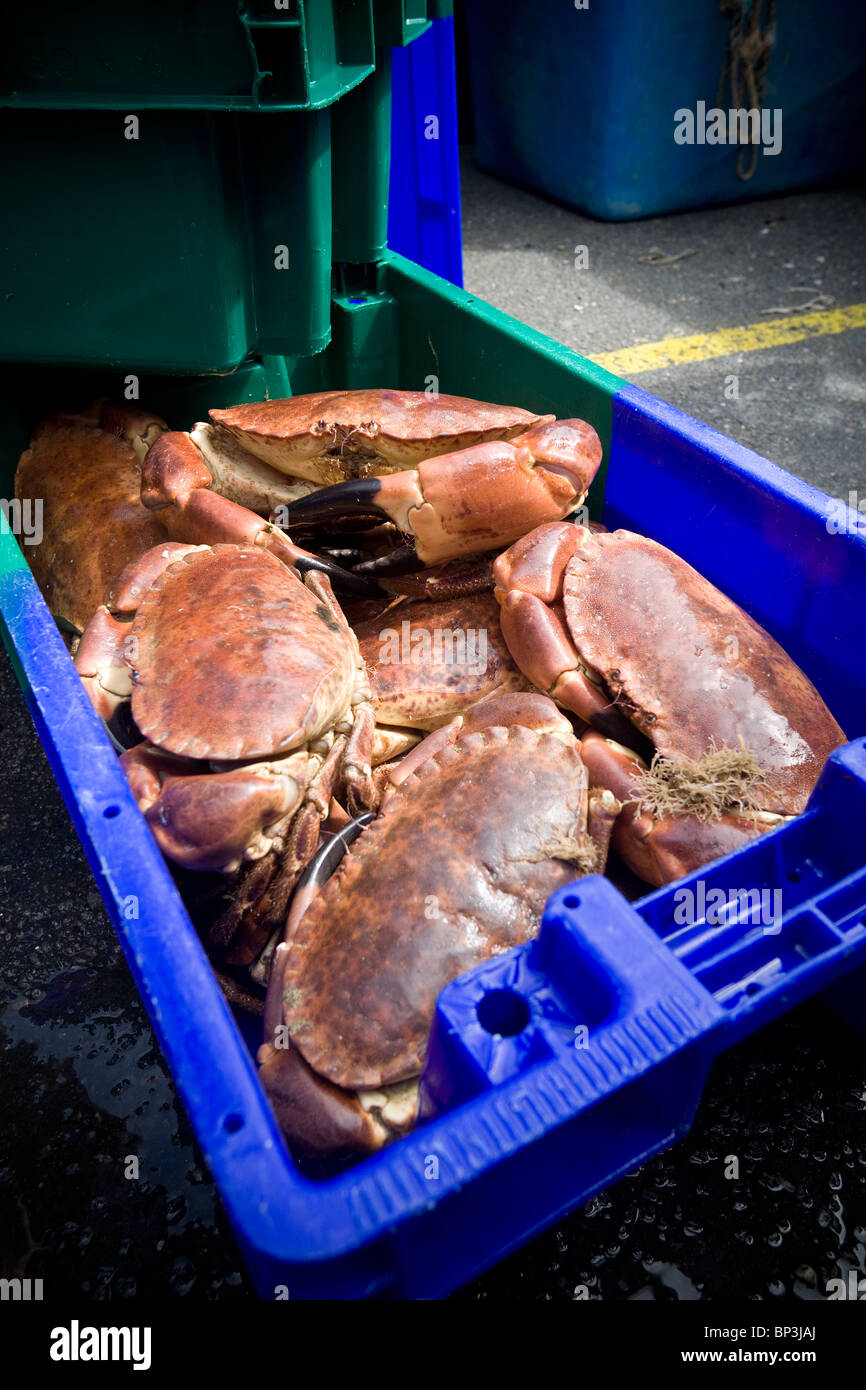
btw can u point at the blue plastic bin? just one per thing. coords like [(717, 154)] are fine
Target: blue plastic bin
[(619, 1009), (424, 202), (579, 103)]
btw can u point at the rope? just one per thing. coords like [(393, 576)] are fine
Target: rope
[(747, 57)]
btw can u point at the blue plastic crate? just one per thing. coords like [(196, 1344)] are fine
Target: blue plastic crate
[(580, 103), (424, 201), (612, 1017)]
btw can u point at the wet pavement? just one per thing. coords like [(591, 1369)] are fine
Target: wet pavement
[(790, 1105), (83, 1086)]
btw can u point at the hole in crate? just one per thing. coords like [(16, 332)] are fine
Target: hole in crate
[(571, 901), (111, 811), (503, 1011), (232, 1123), (753, 987), (794, 875)]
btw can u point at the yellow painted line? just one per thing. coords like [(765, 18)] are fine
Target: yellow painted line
[(726, 342)]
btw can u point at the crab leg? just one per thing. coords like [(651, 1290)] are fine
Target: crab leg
[(475, 499), (177, 482), (241, 932), (248, 931), (390, 743), (603, 810), (528, 580), (448, 580)]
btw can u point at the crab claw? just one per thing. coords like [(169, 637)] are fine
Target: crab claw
[(322, 1118), (101, 662), (528, 579), (140, 428), (178, 482), (476, 499), (214, 820), (106, 649)]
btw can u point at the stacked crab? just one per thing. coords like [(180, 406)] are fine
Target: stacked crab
[(278, 588)]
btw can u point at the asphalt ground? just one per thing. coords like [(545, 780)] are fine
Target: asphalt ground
[(801, 404), (82, 1082)]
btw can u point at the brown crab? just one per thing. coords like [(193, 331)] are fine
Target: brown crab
[(267, 454), (625, 634), (430, 659), (250, 694), (456, 867), (439, 469), (84, 471)]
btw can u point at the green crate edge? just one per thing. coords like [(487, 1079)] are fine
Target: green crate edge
[(325, 79)]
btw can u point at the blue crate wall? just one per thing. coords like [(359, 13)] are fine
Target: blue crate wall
[(424, 200)]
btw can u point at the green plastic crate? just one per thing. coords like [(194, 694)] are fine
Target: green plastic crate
[(397, 22), (205, 239), (242, 55), (187, 241)]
